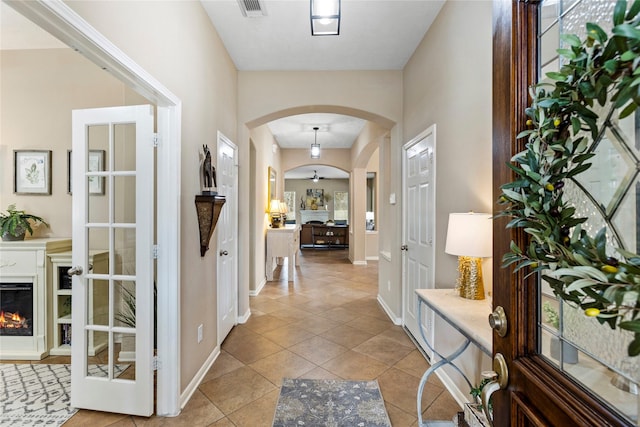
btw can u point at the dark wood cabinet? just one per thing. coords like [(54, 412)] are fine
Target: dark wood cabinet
[(324, 236)]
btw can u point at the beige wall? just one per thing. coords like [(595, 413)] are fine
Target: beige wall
[(39, 90), (447, 82), (265, 156), (267, 95), (177, 44), (329, 186)]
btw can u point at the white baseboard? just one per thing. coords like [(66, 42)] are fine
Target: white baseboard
[(256, 292), (359, 262), (244, 317), (451, 387), (198, 377), (372, 258), (395, 319), (127, 356)]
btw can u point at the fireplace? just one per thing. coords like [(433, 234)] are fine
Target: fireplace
[(25, 307), (16, 309)]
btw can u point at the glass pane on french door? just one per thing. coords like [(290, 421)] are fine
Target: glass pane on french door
[(111, 231), (113, 193), (608, 194)]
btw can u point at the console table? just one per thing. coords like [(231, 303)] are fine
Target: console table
[(283, 242), (469, 317)]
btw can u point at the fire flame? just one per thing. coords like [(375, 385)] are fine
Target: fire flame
[(12, 320)]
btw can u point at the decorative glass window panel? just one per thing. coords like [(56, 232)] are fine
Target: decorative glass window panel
[(608, 194)]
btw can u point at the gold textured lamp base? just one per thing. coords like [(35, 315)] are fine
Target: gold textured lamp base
[(470, 283)]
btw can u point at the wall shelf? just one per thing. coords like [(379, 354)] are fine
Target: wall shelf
[(208, 208)]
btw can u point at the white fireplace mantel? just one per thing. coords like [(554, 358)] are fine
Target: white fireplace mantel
[(26, 262)]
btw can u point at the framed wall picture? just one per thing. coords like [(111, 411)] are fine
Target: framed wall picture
[(340, 205), (315, 198), (32, 172), (271, 192), (96, 164)]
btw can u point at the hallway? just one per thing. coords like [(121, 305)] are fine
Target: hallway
[(325, 324)]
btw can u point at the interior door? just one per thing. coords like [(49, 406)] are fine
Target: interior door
[(227, 238), (113, 199), (544, 389), (418, 233)]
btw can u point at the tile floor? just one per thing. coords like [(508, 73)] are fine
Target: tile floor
[(325, 324)]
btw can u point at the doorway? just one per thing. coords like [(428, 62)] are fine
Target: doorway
[(418, 172), (66, 25)]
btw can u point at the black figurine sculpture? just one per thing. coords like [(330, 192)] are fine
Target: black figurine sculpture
[(208, 172)]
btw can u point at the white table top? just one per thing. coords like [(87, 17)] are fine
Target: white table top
[(470, 317), (288, 228)]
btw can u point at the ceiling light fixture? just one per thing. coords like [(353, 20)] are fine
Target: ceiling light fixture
[(325, 17), (315, 147), (315, 176)]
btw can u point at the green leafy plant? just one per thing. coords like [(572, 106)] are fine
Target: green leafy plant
[(552, 315), (561, 120), (127, 316), (16, 222), (476, 392)]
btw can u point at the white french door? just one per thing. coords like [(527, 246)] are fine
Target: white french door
[(227, 237), (113, 211), (418, 228)]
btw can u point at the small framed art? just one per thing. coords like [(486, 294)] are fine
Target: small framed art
[(96, 164), (32, 172)]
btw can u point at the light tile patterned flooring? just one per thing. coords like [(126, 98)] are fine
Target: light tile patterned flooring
[(325, 324)]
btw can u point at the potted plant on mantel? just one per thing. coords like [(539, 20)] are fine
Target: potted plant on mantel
[(14, 224)]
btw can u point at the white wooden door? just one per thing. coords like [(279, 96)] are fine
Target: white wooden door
[(112, 302), (418, 229), (227, 229)]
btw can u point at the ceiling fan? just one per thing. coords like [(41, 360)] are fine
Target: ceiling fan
[(315, 177)]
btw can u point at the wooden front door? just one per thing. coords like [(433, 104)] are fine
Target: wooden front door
[(540, 391)]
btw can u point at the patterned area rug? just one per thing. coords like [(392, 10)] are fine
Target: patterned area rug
[(330, 403), (39, 395)]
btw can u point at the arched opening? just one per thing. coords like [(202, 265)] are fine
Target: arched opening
[(286, 151)]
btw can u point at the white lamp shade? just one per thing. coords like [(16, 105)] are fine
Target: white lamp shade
[(369, 216), (275, 206), (469, 234)]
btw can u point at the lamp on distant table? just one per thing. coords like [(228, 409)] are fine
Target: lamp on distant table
[(276, 213), (469, 236), (284, 210)]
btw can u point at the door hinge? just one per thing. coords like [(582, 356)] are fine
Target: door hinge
[(155, 362), (156, 140), (155, 251)]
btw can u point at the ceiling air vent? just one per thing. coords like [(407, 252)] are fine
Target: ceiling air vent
[(252, 8)]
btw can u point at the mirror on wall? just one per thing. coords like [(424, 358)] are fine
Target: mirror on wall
[(371, 201)]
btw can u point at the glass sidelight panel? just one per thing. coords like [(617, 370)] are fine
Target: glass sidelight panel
[(608, 195)]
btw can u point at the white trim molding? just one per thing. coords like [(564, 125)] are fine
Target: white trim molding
[(60, 20)]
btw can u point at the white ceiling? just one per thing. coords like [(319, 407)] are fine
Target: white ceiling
[(374, 34), (307, 172), (335, 130)]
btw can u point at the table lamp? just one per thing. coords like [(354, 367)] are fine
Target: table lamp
[(469, 236), (284, 210), (276, 214)]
